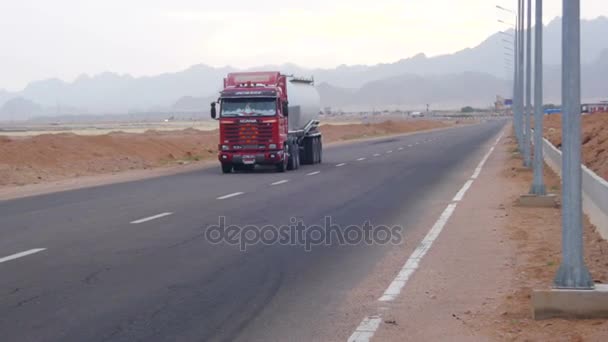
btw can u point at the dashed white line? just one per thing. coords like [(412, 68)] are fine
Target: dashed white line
[(410, 145), (389, 151), (313, 173), (21, 254), (280, 182), (361, 159), (376, 154), (234, 194), (150, 218), (341, 164), (400, 148)]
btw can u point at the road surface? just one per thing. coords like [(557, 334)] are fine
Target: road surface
[(130, 262)]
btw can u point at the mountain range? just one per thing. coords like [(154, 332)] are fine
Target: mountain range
[(473, 76)]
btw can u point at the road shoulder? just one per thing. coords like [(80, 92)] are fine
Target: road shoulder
[(475, 283)]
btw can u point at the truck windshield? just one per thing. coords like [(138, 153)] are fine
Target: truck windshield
[(249, 107)]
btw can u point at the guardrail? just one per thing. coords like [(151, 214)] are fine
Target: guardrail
[(595, 189)]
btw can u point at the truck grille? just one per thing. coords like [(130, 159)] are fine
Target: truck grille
[(248, 133)]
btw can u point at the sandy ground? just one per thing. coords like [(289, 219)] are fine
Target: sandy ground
[(475, 282), (594, 139)]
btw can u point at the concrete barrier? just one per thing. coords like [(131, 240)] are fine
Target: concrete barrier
[(595, 189)]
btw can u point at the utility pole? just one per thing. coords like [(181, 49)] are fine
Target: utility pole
[(538, 184), (572, 273)]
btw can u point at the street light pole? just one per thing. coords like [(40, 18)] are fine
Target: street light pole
[(520, 75), (517, 115), (528, 106), (572, 273), (538, 184)]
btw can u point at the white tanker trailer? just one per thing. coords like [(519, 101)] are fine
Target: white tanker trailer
[(267, 118)]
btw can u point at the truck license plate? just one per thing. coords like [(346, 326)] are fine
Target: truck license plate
[(248, 160)]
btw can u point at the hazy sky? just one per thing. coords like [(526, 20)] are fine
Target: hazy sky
[(65, 38)]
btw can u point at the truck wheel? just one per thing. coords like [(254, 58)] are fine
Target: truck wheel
[(226, 168), (281, 167), (297, 155), (291, 161)]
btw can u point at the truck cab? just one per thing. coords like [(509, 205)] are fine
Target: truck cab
[(254, 123)]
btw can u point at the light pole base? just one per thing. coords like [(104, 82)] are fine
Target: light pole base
[(573, 277), (562, 303), (538, 190), (535, 201)]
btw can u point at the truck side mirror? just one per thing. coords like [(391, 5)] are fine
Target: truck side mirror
[(213, 110), (286, 109)]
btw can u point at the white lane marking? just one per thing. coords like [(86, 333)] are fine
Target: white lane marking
[(21, 254), (463, 191), (389, 151), (313, 173), (150, 218), (400, 148), (376, 154), (280, 182), (234, 194), (412, 264), (410, 145), (341, 164), (361, 159), (417, 143), (485, 158), (366, 329)]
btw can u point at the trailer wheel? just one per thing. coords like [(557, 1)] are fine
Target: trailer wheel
[(226, 168), (308, 151), (320, 150), (315, 150)]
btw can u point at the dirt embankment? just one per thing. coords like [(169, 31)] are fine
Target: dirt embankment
[(594, 139), (51, 157), (537, 236)]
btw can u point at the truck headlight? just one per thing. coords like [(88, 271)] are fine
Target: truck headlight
[(272, 146), (225, 147)]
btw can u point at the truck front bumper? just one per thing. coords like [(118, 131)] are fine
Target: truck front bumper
[(251, 158)]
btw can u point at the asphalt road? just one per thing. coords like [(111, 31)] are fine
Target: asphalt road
[(102, 277)]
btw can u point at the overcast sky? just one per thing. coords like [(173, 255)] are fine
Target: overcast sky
[(65, 38)]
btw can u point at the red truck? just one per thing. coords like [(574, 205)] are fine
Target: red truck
[(267, 118)]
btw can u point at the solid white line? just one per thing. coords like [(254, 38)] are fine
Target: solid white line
[(412, 264), (342, 164), (313, 173), (463, 191), (21, 254), (230, 195), (150, 218), (366, 329), (361, 159), (377, 155), (280, 182)]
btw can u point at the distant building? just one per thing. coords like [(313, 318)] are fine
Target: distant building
[(590, 108)]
